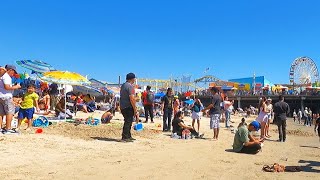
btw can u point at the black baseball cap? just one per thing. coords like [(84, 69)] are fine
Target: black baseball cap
[(130, 76)]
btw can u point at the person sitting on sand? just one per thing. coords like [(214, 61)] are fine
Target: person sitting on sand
[(178, 126), (89, 100), (44, 102), (244, 142), (60, 110), (243, 123), (81, 104), (106, 117)]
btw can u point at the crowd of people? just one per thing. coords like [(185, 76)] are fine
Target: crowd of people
[(46, 100), (171, 110)]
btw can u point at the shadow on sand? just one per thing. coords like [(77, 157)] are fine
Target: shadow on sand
[(310, 167), (310, 147), (106, 139)]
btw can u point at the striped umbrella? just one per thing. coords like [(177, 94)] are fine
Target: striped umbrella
[(35, 65)]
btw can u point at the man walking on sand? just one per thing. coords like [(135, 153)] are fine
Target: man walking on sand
[(281, 110), (215, 112), (128, 106)]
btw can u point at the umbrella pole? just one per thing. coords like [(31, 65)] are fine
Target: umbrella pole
[(65, 105)]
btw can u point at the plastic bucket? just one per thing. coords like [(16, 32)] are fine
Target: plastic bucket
[(39, 131)]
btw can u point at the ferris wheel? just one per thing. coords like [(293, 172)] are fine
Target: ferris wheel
[(303, 72)]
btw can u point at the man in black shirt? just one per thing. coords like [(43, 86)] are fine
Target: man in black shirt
[(167, 109), (281, 110)]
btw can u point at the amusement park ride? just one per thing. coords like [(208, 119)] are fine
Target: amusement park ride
[(303, 73)]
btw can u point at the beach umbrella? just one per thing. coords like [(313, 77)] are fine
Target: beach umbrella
[(87, 90), (66, 78), (159, 95), (189, 101), (35, 65)]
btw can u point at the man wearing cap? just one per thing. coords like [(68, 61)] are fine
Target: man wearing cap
[(244, 142), (215, 112), (281, 110), (128, 106), (7, 106)]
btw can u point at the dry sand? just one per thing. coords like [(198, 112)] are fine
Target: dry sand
[(65, 151)]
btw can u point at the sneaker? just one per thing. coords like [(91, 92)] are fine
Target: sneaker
[(126, 140), (132, 139), (152, 121), (200, 136), (145, 122), (9, 131)]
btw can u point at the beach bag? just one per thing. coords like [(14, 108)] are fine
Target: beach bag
[(150, 98)]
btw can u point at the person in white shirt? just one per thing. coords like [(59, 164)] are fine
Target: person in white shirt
[(299, 116), (7, 107), (269, 113)]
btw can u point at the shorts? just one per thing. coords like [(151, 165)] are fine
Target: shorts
[(262, 117), (196, 115), (6, 106), (214, 121), (26, 113)]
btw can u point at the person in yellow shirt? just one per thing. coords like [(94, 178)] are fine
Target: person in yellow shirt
[(29, 101)]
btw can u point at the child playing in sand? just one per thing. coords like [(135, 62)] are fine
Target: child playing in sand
[(106, 117), (317, 126), (29, 101)]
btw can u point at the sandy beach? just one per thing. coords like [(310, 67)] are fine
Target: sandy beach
[(66, 151)]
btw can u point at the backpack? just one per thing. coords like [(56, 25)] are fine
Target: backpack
[(150, 98)]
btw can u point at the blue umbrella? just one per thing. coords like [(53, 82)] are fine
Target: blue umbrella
[(189, 102), (159, 95), (35, 65)]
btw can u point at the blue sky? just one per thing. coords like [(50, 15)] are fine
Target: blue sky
[(157, 39)]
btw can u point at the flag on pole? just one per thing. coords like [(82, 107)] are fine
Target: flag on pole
[(206, 70)]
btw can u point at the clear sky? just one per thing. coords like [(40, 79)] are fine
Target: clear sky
[(160, 38)]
